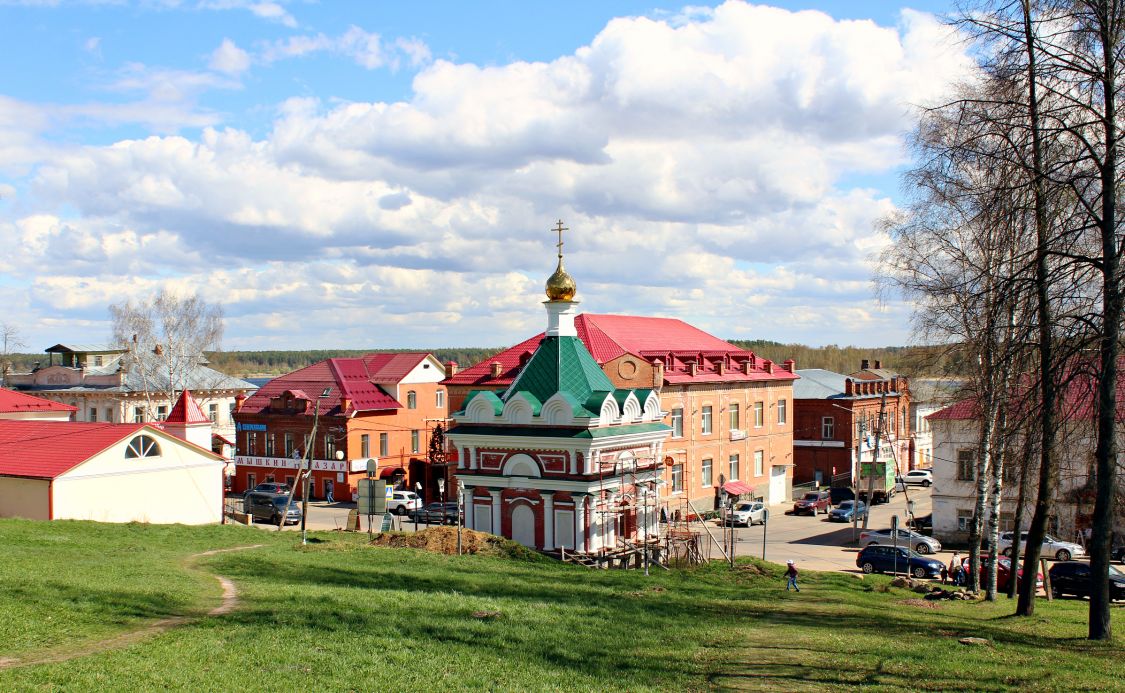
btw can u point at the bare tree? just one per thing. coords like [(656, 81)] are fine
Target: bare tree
[(10, 342), (166, 336)]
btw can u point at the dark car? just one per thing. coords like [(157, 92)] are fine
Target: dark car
[(922, 522), (1075, 577), (437, 513), (813, 503), (840, 494), (272, 487), (1118, 554), (271, 507), (882, 559)]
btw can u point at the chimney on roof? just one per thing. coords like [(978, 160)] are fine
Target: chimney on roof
[(864, 364), (450, 369), (849, 387), (790, 365), (769, 366), (722, 366), (496, 369), (239, 400), (878, 364), (693, 368), (657, 373), (747, 366)]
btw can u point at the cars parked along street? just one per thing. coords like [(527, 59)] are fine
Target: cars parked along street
[(882, 559), (271, 507), (1076, 578), (402, 502), (1052, 547), (747, 513), (813, 503), (922, 477), (272, 487), (1003, 571), (919, 542), (844, 512), (437, 513)]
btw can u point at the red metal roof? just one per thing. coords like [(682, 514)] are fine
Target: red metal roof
[(958, 411), (675, 343), (47, 449), (15, 402), (356, 380), (737, 488), (187, 411)]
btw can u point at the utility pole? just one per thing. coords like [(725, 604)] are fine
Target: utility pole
[(857, 467), (875, 458)]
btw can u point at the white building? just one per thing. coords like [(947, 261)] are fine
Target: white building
[(54, 470)]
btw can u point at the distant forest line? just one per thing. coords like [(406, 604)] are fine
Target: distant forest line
[(911, 361)]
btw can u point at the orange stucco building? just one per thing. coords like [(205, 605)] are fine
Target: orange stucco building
[(379, 406)]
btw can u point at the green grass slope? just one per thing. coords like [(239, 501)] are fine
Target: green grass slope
[(339, 615)]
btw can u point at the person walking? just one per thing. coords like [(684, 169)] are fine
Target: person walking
[(955, 568), (791, 573)]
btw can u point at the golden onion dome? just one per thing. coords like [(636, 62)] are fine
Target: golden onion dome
[(560, 285)]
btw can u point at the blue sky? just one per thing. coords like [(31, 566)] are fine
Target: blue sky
[(347, 174)]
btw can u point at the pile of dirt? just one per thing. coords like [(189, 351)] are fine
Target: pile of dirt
[(444, 540), (920, 603)]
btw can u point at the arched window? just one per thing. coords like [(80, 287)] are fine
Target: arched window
[(412, 400), (142, 446)]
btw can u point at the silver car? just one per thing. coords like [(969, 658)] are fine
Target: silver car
[(919, 542), (1059, 549), (747, 513)]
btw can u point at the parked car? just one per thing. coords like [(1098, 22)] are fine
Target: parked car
[(1052, 547), (271, 507), (919, 542), (272, 487), (1118, 554), (1073, 577), (436, 513), (402, 502), (813, 503), (923, 522), (840, 494), (878, 496), (747, 513), (1003, 571), (882, 559), (923, 477), (844, 512)]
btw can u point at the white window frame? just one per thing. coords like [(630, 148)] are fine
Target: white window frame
[(733, 464), (759, 414), (705, 424), (782, 414), (678, 422), (759, 462), (707, 468)]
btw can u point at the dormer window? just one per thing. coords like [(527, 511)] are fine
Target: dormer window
[(142, 446)]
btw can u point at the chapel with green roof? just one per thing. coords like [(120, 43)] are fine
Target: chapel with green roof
[(562, 458)]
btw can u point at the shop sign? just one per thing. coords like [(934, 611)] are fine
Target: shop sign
[(290, 463)]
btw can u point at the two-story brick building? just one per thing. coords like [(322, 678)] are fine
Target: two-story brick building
[(836, 415), (730, 411), (380, 406)]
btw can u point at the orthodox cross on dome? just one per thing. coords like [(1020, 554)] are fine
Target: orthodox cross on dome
[(560, 228), (560, 285)]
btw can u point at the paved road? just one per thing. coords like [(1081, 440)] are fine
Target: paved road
[(816, 543), (813, 542)]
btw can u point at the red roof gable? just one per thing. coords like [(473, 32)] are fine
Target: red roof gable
[(12, 401), (356, 380), (958, 411), (47, 449), (187, 411), (674, 342)]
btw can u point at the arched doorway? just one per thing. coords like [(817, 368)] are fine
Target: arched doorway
[(523, 525)]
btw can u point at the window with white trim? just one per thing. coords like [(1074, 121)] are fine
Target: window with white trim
[(678, 422), (733, 468), (759, 414), (734, 416), (707, 473), (706, 423), (964, 520), (411, 400), (759, 462), (439, 399), (677, 478), (781, 413)]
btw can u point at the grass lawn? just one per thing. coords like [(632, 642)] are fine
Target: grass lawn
[(338, 615)]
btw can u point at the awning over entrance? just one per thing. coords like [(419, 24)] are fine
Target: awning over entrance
[(737, 488), (390, 471)]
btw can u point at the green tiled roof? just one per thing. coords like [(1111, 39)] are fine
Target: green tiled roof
[(561, 364), (557, 432), (497, 405)]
